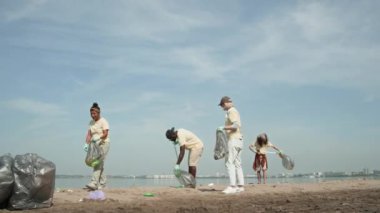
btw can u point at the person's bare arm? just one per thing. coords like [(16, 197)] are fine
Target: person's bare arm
[(88, 137), (274, 147), (105, 134)]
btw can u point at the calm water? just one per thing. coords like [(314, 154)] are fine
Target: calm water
[(128, 182)]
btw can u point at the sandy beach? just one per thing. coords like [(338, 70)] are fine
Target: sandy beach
[(335, 196)]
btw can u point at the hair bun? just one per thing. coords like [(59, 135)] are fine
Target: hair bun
[(95, 106)]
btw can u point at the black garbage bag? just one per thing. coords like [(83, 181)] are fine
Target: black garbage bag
[(34, 182), (6, 179)]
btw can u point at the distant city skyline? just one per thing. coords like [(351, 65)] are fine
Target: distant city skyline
[(304, 72)]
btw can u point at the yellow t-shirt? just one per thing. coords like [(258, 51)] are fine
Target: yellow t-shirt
[(96, 128), (189, 139), (262, 149), (233, 116)]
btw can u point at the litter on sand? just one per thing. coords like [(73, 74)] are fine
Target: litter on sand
[(149, 194), (97, 195)]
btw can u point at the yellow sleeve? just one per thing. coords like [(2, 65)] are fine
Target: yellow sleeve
[(234, 117)]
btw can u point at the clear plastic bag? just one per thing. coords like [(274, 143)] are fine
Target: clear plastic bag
[(287, 162), (6, 179), (185, 179), (221, 149), (95, 155), (34, 182)]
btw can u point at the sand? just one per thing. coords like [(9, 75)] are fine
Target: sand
[(334, 196)]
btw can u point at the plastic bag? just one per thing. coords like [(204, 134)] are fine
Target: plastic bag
[(287, 162), (186, 179), (34, 182), (97, 195), (221, 149), (94, 155), (6, 179)]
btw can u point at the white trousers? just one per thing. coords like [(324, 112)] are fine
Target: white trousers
[(98, 176), (233, 162)]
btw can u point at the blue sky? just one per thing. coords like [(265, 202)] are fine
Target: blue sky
[(304, 72)]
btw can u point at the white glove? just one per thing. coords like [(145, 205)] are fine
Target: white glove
[(177, 170), (85, 147), (221, 128)]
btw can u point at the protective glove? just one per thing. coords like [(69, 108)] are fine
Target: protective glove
[(176, 167), (175, 142), (221, 128), (85, 147), (177, 171)]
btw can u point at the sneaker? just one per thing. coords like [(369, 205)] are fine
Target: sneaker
[(230, 190), (240, 189), (91, 186)]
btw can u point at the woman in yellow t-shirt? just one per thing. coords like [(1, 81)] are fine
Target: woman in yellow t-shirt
[(98, 133)]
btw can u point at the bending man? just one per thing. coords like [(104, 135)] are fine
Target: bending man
[(186, 140)]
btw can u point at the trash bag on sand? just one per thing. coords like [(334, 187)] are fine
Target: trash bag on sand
[(221, 149), (94, 155), (34, 182), (185, 179), (6, 179)]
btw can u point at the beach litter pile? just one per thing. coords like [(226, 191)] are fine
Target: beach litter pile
[(26, 182), (6, 179)]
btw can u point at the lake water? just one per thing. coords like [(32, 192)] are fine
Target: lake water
[(79, 182)]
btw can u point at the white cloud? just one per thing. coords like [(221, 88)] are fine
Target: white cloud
[(35, 107), (199, 61), (44, 115), (317, 20), (27, 8), (314, 43)]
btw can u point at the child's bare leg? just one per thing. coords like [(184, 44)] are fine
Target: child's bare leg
[(258, 177), (264, 176)]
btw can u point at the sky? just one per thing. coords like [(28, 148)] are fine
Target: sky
[(305, 72)]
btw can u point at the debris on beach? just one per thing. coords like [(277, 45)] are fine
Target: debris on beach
[(149, 194), (97, 195), (64, 190), (32, 174)]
